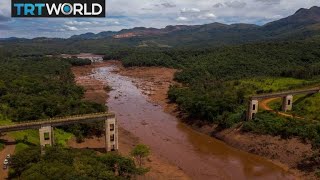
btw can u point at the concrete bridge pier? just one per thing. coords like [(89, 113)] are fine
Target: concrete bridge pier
[(252, 109), (287, 103), (46, 137), (111, 134)]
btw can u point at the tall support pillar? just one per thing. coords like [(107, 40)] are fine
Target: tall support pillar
[(252, 109), (287, 103), (111, 134), (46, 137)]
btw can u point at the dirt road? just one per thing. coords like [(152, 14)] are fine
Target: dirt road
[(264, 105), (9, 149)]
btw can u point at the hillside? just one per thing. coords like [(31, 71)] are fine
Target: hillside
[(304, 23), (303, 17)]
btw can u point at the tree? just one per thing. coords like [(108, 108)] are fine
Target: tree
[(140, 152), (64, 163), (23, 160)]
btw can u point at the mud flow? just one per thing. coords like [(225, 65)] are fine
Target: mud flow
[(200, 156)]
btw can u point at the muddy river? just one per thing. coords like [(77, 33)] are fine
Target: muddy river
[(200, 156)]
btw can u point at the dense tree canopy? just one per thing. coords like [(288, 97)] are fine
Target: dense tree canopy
[(37, 88), (60, 163)]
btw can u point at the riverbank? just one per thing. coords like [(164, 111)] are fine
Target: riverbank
[(95, 90), (159, 167), (287, 153)]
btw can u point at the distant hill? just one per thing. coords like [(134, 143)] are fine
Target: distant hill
[(303, 24), (12, 39), (303, 17), (94, 36), (169, 31)]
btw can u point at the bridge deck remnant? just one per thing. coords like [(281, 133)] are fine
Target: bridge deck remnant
[(54, 122), (46, 128), (285, 93)]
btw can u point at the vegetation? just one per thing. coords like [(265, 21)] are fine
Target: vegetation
[(61, 163), (274, 84), (212, 83), (270, 123), (30, 138), (307, 107), (39, 88), (140, 152), (25, 139), (1, 145), (78, 62)]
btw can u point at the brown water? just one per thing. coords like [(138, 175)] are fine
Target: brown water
[(200, 156)]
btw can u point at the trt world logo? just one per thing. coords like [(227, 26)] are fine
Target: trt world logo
[(58, 8)]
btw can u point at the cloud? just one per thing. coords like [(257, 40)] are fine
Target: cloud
[(181, 18), (235, 4), (207, 16), (166, 5), (274, 17), (269, 2), (71, 28), (146, 9), (218, 5), (78, 23), (189, 13), (190, 10), (93, 23), (116, 22)]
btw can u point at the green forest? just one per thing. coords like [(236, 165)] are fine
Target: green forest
[(33, 88), (62, 163), (39, 88)]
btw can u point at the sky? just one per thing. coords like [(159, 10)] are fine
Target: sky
[(125, 14)]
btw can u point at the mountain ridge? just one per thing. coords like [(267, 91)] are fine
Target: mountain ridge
[(302, 17)]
